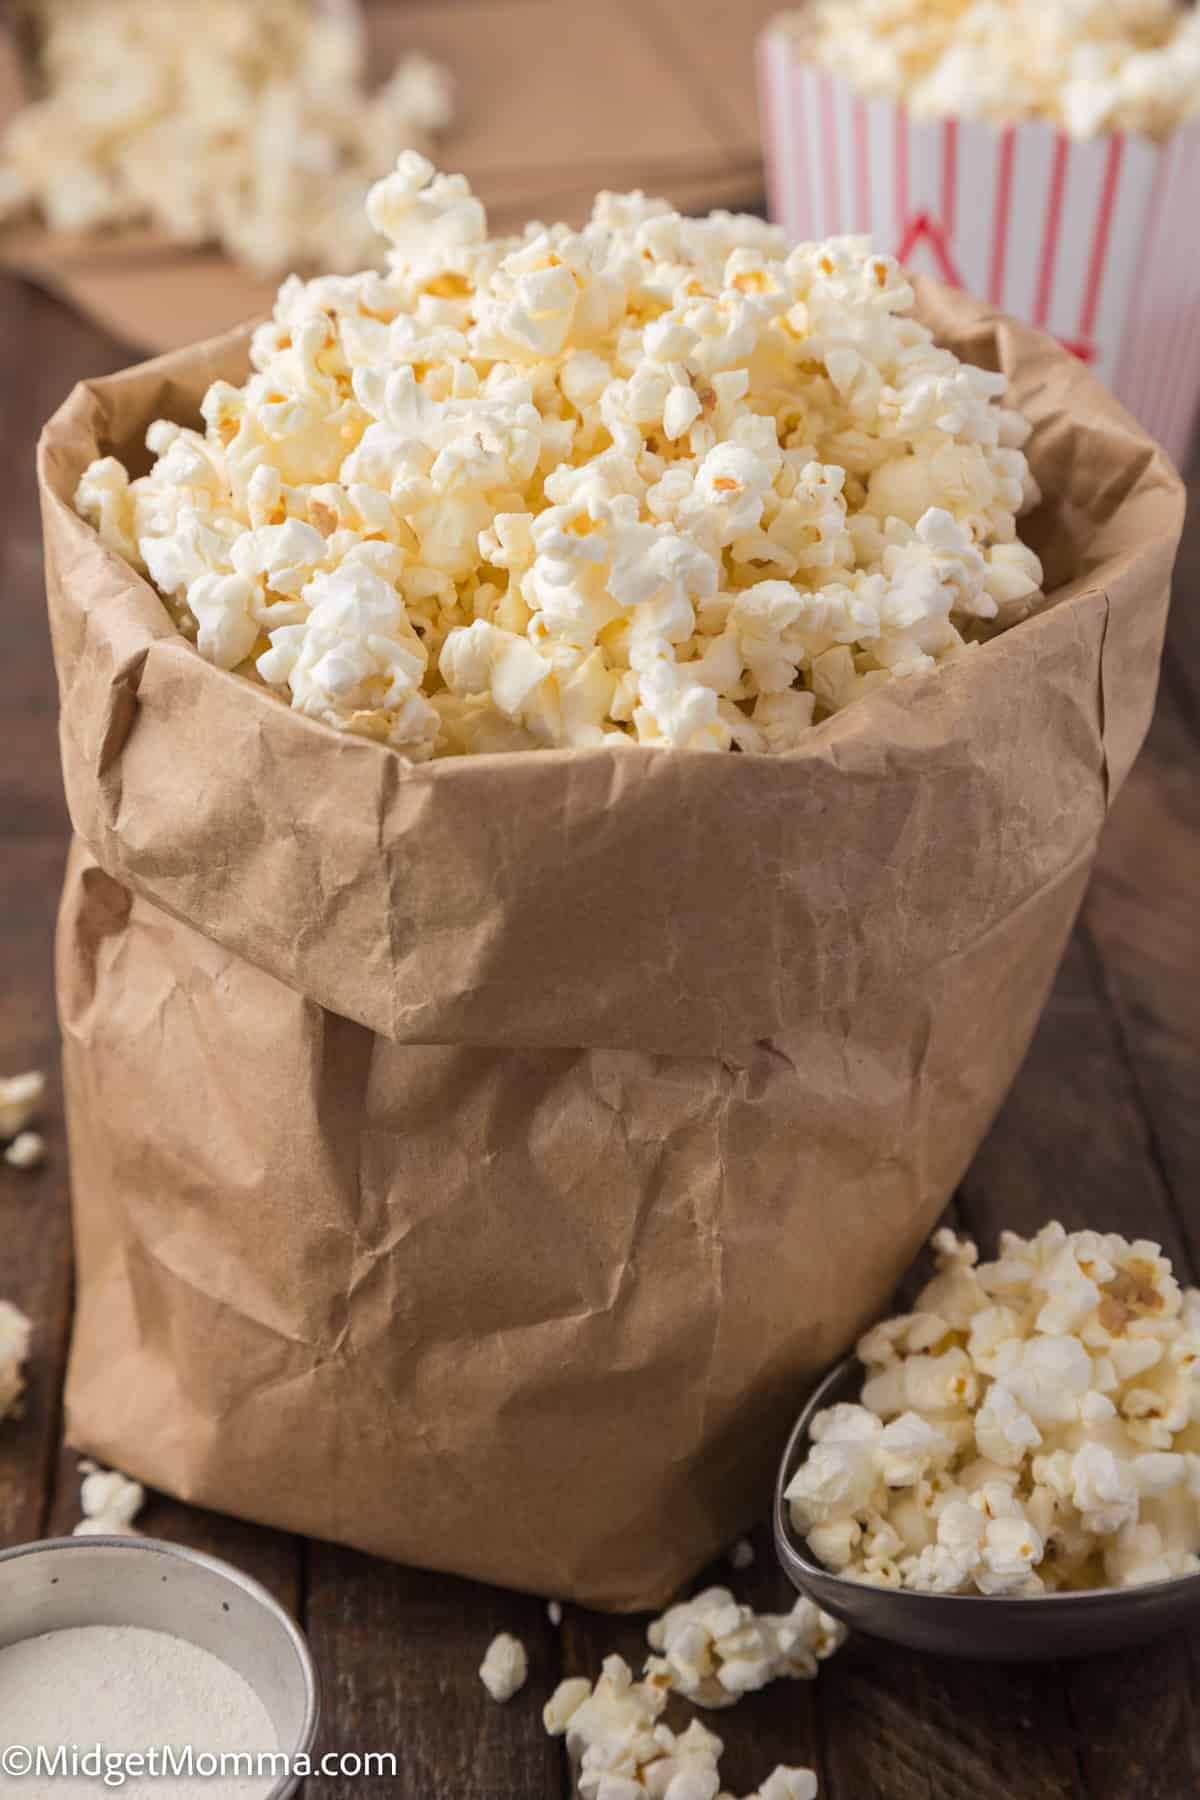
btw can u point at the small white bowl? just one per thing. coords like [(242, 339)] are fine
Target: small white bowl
[(60, 1584)]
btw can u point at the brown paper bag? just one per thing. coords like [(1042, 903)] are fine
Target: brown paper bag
[(474, 1162)]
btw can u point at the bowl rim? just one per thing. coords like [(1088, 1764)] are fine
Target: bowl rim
[(800, 1567), (137, 1544)]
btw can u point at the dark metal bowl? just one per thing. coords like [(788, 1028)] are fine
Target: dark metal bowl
[(998, 1628)]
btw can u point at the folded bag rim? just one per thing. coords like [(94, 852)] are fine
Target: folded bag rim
[(636, 897)]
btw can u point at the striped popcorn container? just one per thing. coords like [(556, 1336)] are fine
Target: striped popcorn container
[(1094, 241)]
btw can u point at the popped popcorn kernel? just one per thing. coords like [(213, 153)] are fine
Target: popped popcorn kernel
[(15, 1334), (713, 1650), (662, 481), (110, 1503), (20, 1098), (505, 1667), (1089, 65), (622, 1750), (1027, 1428), (27, 1151)]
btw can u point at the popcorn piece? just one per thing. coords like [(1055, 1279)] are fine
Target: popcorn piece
[(713, 1650), (742, 1555), (26, 1151), (20, 1098), (623, 1752), (248, 125), (505, 1667), (110, 1503), (552, 491), (15, 1334), (554, 1612), (1089, 65), (1045, 1438)]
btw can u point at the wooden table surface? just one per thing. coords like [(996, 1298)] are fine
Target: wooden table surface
[(1101, 1129)]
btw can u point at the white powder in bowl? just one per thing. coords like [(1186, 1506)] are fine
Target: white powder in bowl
[(128, 1691)]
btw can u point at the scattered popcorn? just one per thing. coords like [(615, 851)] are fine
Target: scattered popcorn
[(742, 1555), (249, 125), (1089, 65), (623, 1751), (20, 1098), (15, 1333), (554, 1612), (1033, 1425), (714, 1650), (505, 1667), (110, 1503), (26, 1151), (662, 480)]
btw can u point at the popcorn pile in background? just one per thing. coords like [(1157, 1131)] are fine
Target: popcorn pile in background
[(1088, 65), (244, 122), (1032, 1426), (660, 480)]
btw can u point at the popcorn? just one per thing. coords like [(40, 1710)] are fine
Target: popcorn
[(660, 481), (741, 1556), (1089, 65), (213, 120), (15, 1334), (26, 1151), (1027, 1428), (714, 1650), (623, 1751), (20, 1098), (504, 1668), (110, 1503)]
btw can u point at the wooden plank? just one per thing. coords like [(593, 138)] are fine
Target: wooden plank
[(43, 348), (399, 1652), (1143, 916)]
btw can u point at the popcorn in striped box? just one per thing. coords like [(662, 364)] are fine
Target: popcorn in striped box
[(1088, 236)]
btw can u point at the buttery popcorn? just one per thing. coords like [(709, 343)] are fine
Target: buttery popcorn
[(1089, 65), (505, 1667), (1033, 1425), (26, 1151), (15, 1333), (20, 1098), (110, 1503), (713, 1650), (245, 124), (624, 1752), (661, 481)]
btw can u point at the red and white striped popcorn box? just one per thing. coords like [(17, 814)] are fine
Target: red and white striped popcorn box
[(1092, 240)]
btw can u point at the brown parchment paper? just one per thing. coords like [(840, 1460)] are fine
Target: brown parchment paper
[(474, 1162)]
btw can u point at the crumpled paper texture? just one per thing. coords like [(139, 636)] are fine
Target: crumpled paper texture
[(474, 1162)]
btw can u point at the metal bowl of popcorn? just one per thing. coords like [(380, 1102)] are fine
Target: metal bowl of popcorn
[(991, 1627)]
